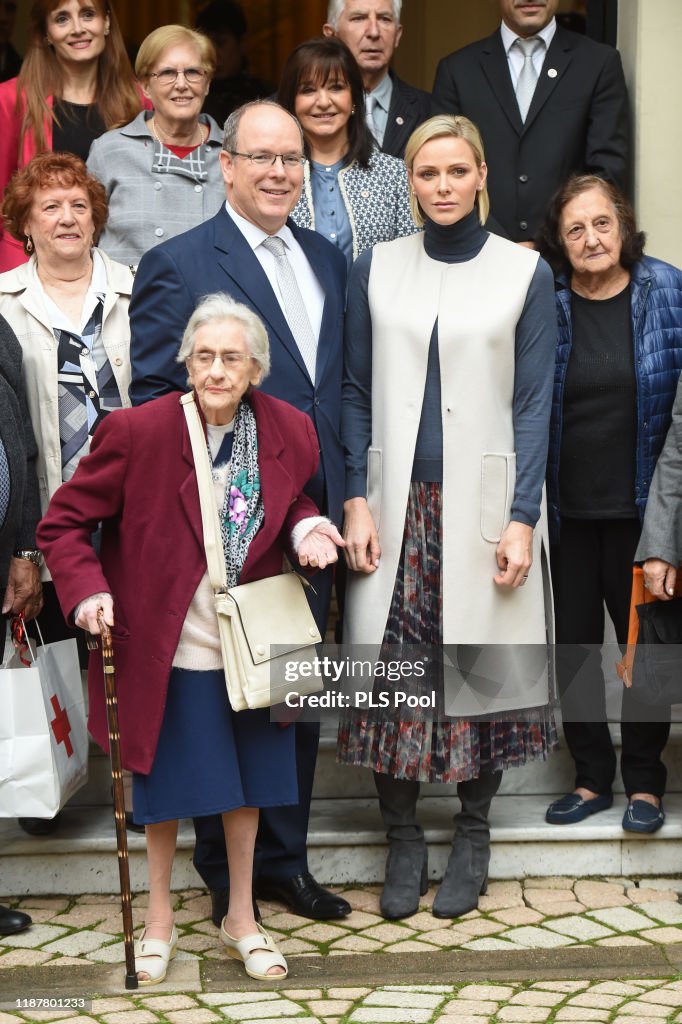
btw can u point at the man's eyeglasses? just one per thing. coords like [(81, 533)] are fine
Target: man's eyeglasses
[(169, 76), (269, 159)]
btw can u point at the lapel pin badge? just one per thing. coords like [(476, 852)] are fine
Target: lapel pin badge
[(552, 72), (399, 120)]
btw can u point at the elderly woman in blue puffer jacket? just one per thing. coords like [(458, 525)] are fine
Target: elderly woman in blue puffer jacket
[(619, 357)]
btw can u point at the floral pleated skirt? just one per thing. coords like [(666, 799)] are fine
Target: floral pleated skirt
[(423, 745)]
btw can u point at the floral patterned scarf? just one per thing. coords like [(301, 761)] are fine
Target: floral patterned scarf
[(243, 513)]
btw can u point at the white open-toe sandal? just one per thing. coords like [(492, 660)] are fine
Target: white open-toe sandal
[(152, 956), (256, 964)]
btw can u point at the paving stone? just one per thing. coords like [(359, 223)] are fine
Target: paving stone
[(320, 933), (228, 998), (302, 993), (561, 986), (446, 937), (666, 997), (550, 882), (47, 1015), (532, 937), (409, 946), (406, 999), (24, 958), (329, 1007), (296, 946), (445, 989), (480, 927), (356, 944), (536, 997), (495, 993), (83, 917), (89, 898), (648, 1011), (577, 1013), (131, 1017), (286, 922), (112, 954), (560, 909), (548, 895), (11, 1018), (347, 993), (616, 988), (597, 895), (54, 903), (596, 1000), (523, 1014), (67, 961), (460, 1018), (665, 883), (265, 1010), (623, 940), (361, 919), (423, 922), (299, 1020), (501, 896), (200, 1015), (649, 982), (646, 895), (34, 937), (578, 927), (631, 1020), (110, 1005), (389, 933), (517, 916), (78, 942), (668, 913), (664, 936), (197, 942), (178, 1002), (362, 899), (386, 1015), (483, 1007), (622, 919), (488, 945)]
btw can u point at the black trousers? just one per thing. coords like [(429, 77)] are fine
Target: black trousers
[(592, 566)]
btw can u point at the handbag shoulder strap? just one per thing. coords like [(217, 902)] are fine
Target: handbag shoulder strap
[(213, 541)]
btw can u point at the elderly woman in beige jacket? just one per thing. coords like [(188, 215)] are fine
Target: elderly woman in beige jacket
[(68, 306), (449, 359)]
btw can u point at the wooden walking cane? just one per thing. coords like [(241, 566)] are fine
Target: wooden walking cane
[(119, 799)]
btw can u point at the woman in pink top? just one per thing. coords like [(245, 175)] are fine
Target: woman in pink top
[(76, 82)]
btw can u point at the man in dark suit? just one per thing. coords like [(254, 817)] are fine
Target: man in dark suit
[(20, 589), (262, 163), (548, 103), (371, 30)]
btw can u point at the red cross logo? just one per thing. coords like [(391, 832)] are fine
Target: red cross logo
[(61, 726)]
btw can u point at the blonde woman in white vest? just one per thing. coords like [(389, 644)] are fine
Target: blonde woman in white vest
[(450, 341)]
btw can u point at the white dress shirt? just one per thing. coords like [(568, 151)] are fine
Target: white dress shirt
[(310, 288), (514, 54)]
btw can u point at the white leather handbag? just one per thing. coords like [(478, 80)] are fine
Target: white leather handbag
[(266, 627)]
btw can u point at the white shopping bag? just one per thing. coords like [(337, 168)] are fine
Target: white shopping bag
[(43, 735)]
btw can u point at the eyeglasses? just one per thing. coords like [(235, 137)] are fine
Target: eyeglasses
[(230, 360), (169, 76), (269, 159)]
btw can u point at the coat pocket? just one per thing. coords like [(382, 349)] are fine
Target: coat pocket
[(498, 477), (374, 483)]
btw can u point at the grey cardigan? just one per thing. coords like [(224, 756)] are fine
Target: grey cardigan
[(19, 527), (376, 200), (661, 535), (147, 207)]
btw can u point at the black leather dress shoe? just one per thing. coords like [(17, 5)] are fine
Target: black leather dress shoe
[(13, 921), (40, 826), (304, 896), (219, 900)]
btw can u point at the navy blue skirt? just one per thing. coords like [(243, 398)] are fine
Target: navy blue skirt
[(212, 759)]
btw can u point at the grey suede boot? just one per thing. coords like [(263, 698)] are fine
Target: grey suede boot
[(466, 875), (406, 878)]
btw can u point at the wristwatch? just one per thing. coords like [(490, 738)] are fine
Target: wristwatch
[(34, 556)]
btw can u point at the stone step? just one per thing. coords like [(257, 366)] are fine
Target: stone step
[(347, 844)]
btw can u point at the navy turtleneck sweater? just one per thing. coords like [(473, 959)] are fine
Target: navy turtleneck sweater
[(455, 243)]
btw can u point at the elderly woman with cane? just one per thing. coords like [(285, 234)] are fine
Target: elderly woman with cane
[(191, 754)]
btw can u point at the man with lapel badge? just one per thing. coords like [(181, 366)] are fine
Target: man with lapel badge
[(295, 281), (548, 102), (371, 30)]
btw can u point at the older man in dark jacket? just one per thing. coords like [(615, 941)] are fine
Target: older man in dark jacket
[(19, 514)]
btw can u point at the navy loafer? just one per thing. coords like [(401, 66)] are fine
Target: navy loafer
[(572, 807), (641, 816)]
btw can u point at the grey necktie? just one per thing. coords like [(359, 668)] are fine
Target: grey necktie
[(528, 76), (296, 313), (370, 102)]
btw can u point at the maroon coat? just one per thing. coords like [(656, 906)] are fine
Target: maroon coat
[(139, 480)]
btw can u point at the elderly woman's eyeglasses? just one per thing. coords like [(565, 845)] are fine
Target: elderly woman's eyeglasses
[(230, 360), (169, 76), (269, 159)]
